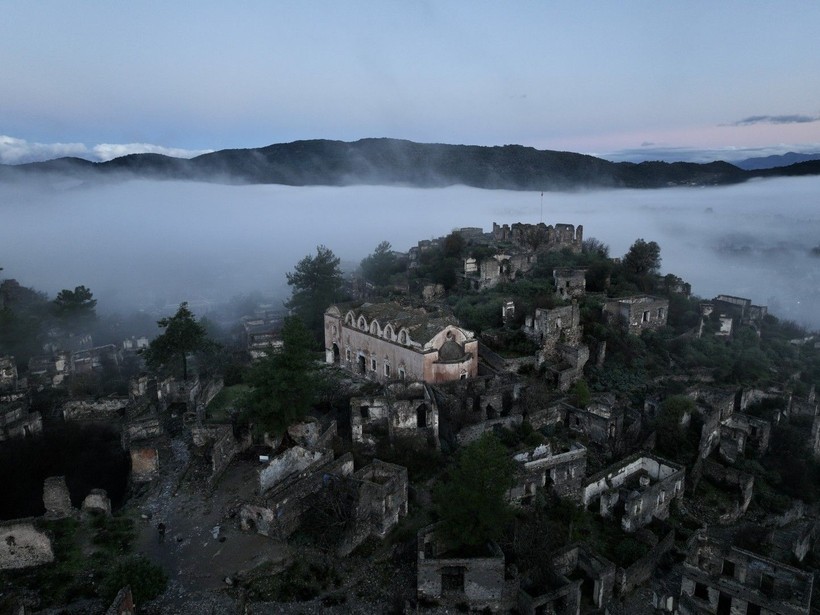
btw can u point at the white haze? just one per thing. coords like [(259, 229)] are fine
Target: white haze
[(146, 244)]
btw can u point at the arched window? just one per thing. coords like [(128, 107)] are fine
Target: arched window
[(402, 337), (388, 332), (362, 323), (374, 328), (349, 320)]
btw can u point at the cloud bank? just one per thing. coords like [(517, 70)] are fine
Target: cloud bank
[(775, 119), (20, 151)]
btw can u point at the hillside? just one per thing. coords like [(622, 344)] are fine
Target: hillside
[(398, 162)]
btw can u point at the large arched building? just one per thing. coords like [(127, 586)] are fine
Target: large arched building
[(388, 341)]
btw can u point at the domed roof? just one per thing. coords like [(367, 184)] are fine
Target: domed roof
[(450, 351)]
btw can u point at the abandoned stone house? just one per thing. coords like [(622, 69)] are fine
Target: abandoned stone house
[(794, 540), (412, 416), (135, 344), (741, 309), (552, 467), (558, 332), (49, 370), (638, 488), (722, 579), (580, 574), (449, 577), (95, 359), (741, 434), (723, 322), (601, 420), (261, 335), (552, 328), (8, 373), (376, 496), (388, 341), (502, 267), (736, 486), (637, 313), (16, 418), (540, 236), (570, 283)]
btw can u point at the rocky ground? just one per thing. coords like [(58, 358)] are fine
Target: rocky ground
[(210, 561)]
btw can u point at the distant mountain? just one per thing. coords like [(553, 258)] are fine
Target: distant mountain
[(396, 162), (770, 162)]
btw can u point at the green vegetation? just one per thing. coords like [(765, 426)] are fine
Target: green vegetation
[(147, 580), (471, 501), (317, 284), (182, 335), (91, 560), (284, 383), (231, 397), (379, 267)]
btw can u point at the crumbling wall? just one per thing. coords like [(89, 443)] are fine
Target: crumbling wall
[(477, 580), (56, 498), (144, 463), (123, 603), (221, 446), (294, 460), (97, 502), (288, 500), (22, 545), (107, 409), (733, 481), (472, 433), (638, 573)]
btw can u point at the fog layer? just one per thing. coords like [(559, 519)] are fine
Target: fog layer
[(145, 245)]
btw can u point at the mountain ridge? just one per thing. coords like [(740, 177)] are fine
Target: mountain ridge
[(398, 162)]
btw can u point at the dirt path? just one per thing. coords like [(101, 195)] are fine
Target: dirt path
[(202, 545)]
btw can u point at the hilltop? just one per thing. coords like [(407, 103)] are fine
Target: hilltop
[(406, 163)]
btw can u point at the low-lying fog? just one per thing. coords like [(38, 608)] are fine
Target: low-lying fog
[(146, 244)]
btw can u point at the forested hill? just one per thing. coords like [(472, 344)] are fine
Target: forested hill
[(397, 162)]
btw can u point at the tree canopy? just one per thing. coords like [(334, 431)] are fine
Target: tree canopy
[(472, 502), (183, 335), (379, 266), (285, 382), (643, 258), (75, 308), (317, 283)]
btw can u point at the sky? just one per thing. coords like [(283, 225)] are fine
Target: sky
[(695, 80)]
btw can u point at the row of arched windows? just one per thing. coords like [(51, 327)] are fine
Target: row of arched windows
[(374, 328)]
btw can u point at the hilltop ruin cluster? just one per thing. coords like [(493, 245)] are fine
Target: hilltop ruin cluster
[(652, 444)]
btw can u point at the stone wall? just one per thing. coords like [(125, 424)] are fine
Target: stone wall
[(631, 577), (221, 445), (144, 463), (22, 545), (56, 498), (288, 500), (479, 581), (106, 409), (123, 603), (474, 432), (735, 482), (294, 461), (638, 313)]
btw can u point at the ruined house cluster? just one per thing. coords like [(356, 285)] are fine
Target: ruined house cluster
[(430, 384)]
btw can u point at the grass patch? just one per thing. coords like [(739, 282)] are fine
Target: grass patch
[(227, 399)]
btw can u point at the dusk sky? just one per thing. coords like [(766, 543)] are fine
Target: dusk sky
[(624, 80)]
